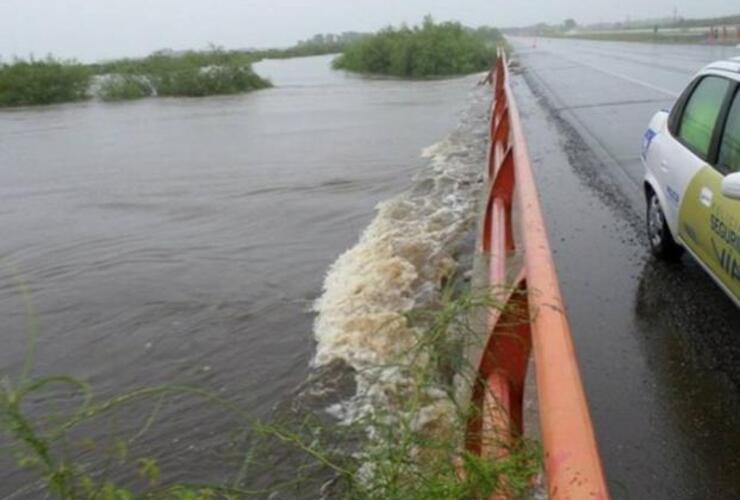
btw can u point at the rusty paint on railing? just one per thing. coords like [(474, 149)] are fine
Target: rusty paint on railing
[(572, 464)]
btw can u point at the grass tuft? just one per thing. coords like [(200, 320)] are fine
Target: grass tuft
[(409, 444)]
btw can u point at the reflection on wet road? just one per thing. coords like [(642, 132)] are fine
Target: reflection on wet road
[(658, 344)]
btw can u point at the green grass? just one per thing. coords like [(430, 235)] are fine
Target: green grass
[(46, 81), (429, 50), (409, 447)]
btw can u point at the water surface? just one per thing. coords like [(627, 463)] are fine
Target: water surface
[(185, 240)]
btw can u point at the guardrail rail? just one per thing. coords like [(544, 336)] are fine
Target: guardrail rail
[(573, 468)]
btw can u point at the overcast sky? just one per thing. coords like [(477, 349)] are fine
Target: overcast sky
[(91, 30)]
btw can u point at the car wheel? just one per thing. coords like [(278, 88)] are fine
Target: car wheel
[(661, 240)]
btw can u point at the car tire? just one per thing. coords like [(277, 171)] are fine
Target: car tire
[(662, 244)]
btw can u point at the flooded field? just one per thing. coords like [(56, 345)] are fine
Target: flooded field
[(185, 241)]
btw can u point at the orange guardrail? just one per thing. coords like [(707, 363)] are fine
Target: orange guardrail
[(525, 270)]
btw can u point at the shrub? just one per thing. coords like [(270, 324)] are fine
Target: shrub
[(203, 81), (429, 50), (45, 81), (192, 74), (124, 87)]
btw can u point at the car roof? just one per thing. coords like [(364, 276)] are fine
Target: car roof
[(728, 67)]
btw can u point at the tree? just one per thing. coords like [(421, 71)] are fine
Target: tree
[(569, 24)]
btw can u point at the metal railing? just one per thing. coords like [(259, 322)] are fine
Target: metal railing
[(526, 270)]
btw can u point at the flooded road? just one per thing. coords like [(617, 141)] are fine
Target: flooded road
[(184, 241), (658, 344)]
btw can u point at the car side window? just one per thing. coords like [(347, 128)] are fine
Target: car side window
[(700, 114), (729, 146)]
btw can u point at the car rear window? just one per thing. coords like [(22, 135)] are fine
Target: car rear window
[(700, 114), (729, 149)]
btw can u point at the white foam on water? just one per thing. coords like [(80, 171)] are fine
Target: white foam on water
[(400, 263), (403, 253)]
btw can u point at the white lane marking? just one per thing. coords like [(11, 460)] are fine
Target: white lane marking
[(623, 77)]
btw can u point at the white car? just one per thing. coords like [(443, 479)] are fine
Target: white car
[(692, 175)]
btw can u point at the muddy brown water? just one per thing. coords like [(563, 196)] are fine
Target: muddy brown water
[(184, 241)]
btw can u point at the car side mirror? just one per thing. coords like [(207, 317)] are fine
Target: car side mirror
[(731, 186)]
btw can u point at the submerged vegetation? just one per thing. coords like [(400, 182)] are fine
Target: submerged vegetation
[(165, 73), (411, 448), (45, 81), (124, 87), (190, 74), (428, 50)]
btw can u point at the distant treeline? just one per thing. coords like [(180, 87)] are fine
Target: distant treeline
[(675, 22), (320, 44), (432, 49)]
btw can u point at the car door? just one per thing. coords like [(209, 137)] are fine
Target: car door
[(710, 221), (685, 149)]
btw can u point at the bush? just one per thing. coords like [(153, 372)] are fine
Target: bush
[(192, 74), (428, 50), (46, 81), (124, 87), (213, 80)]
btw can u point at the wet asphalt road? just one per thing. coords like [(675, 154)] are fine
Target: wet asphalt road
[(658, 344)]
